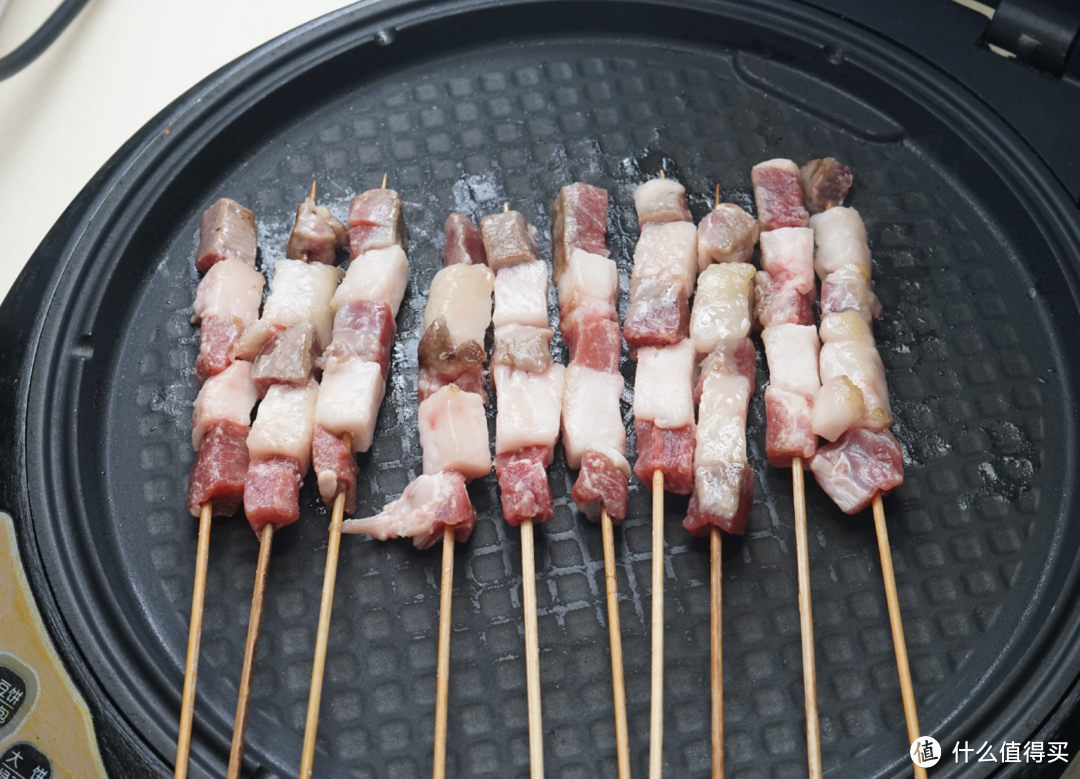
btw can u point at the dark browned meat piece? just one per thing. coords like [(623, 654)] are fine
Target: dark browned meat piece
[(508, 240), (578, 221), (376, 221), (285, 359), (825, 184), (227, 230), (464, 242), (438, 355), (317, 235), (522, 347)]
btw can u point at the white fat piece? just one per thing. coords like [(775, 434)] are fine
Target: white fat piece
[(723, 305), (591, 283), (848, 350), (664, 387), (788, 253), (349, 399), (658, 195), (837, 406), (841, 240), (412, 514), (667, 251), (285, 424), (379, 275), (590, 414), (453, 432), (231, 288), (530, 405), (521, 295), (792, 352), (228, 396), (721, 430), (462, 294), (301, 292)]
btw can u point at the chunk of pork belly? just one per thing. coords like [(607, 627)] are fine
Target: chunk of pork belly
[(792, 355), (227, 229), (299, 293), (461, 294), (231, 288), (825, 183), (220, 469), (778, 194), (508, 240), (848, 350), (838, 405), (286, 358), (594, 342), (335, 468), (464, 242), (228, 396), (317, 234), (429, 504), (658, 314), (453, 433), (578, 221), (788, 432), (590, 282), (669, 451), (601, 484), (659, 201), (840, 236), (666, 251), (857, 466), (218, 336), (849, 289), (723, 305), (779, 303), (722, 475), (376, 221), (723, 496), (731, 358), (663, 389), (522, 347), (442, 360), (591, 418), (788, 255), (726, 234), (378, 276), (523, 485), (349, 399), (521, 293), (285, 424), (530, 406), (363, 330)]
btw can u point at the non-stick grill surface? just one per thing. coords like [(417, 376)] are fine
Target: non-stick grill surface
[(973, 340)]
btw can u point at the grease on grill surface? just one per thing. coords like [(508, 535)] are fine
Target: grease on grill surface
[(968, 382)]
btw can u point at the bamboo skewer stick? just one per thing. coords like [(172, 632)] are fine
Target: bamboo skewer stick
[(656, 714), (907, 692), (236, 755), (191, 668), (717, 646), (532, 651), (322, 635), (442, 679), (806, 621), (622, 738)]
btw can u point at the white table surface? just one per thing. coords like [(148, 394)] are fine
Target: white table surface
[(115, 67)]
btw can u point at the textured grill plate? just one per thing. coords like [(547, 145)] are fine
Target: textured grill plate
[(975, 373)]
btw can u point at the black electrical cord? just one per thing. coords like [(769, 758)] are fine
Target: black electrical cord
[(42, 39)]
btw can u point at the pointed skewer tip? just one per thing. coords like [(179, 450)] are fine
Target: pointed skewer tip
[(384, 180)]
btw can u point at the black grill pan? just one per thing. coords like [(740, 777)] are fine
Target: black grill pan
[(466, 105)]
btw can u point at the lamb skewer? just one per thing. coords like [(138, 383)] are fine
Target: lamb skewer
[(784, 308), (355, 365), (294, 327), (722, 480), (656, 327), (852, 411), (588, 285), (453, 431), (227, 300), (530, 386)]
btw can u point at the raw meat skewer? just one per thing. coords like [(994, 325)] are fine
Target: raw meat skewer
[(226, 236), (355, 365), (784, 308), (588, 284)]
